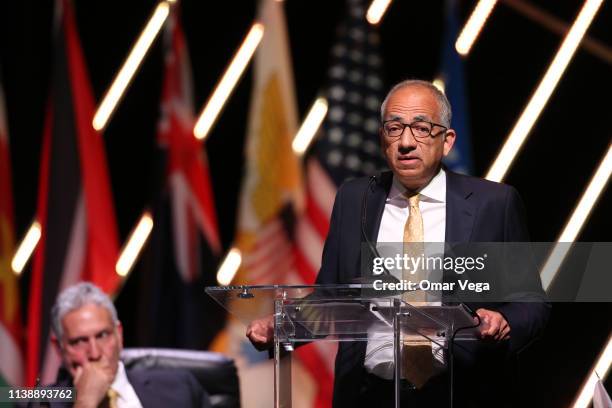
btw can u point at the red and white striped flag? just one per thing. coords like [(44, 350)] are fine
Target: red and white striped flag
[(346, 147)]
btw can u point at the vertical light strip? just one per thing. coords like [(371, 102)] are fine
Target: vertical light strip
[(578, 218), (26, 247), (130, 66), (309, 127), (229, 267), (600, 369), (134, 244), (377, 10), (539, 99), (474, 25), (228, 81)]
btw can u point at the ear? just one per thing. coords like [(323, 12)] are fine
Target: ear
[(449, 141), (119, 329)]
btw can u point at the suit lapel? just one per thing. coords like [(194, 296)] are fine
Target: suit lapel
[(460, 211), (377, 197), (141, 386)]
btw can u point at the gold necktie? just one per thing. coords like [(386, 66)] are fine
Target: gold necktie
[(413, 247), (417, 359), (113, 397)]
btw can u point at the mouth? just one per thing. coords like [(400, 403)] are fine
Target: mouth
[(407, 159), (407, 162)]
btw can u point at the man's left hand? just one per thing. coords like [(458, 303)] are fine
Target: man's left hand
[(493, 325)]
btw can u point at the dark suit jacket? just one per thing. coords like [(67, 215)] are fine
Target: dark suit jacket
[(155, 388), (477, 210)]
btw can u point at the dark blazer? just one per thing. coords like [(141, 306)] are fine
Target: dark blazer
[(477, 210), (155, 388)]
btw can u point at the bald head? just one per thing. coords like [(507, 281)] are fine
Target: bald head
[(444, 108)]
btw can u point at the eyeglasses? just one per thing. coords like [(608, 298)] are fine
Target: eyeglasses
[(420, 129)]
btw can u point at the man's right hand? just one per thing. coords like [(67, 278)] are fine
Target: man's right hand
[(92, 381), (261, 333)]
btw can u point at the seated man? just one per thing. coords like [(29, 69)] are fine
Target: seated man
[(89, 338)]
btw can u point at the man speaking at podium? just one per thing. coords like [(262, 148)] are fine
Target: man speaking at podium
[(421, 201)]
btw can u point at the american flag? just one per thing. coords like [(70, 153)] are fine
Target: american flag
[(348, 145)]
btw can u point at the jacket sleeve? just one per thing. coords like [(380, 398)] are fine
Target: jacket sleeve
[(329, 272), (527, 319)]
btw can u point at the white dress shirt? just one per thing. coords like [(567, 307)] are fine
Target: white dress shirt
[(127, 396), (432, 204)]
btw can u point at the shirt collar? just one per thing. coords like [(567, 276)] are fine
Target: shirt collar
[(434, 191), (121, 381)]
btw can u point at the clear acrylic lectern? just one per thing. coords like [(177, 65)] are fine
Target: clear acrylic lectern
[(351, 312)]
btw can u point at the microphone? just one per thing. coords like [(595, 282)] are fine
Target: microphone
[(364, 207)]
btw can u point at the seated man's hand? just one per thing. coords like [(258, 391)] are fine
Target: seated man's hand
[(92, 381), (261, 332), (493, 325)]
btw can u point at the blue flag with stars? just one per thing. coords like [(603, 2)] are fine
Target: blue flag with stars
[(348, 145), (460, 158)]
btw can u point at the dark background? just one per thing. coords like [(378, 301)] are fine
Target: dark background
[(504, 67)]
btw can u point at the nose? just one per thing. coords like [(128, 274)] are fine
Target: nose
[(94, 352), (407, 141)]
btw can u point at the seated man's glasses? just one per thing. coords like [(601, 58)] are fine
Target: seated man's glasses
[(420, 129)]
